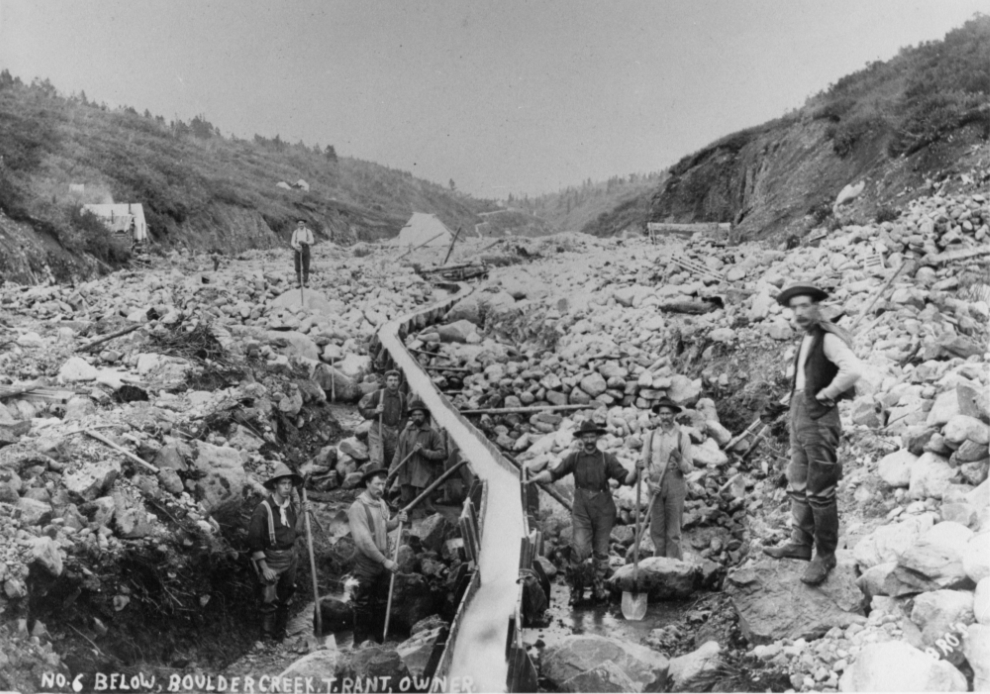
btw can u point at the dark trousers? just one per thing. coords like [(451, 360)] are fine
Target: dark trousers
[(592, 520), (302, 259), (369, 601), (667, 514), (277, 595), (812, 477)]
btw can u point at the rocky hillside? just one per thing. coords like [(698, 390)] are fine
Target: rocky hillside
[(893, 126), (199, 189)]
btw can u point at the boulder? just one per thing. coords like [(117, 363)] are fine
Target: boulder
[(895, 468), (92, 479), (33, 512), (606, 677), (662, 578), (709, 454), (354, 448), (683, 390), (432, 531), (574, 655), (458, 331), (413, 601), (44, 552), (976, 649), (685, 668), (936, 559), (593, 384), (224, 476), (316, 665), (631, 296), (930, 476), (130, 519), (873, 581), (981, 602), (962, 428), (353, 366), (335, 615), (76, 369), (416, 650), (976, 557), (370, 664), (773, 603), (336, 385), (293, 343), (895, 666), (938, 612)]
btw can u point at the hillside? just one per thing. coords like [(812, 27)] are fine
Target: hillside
[(200, 190), (899, 126)]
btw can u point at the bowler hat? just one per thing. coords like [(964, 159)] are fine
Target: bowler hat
[(589, 427), (811, 290), (283, 470), (373, 471), (665, 402), (418, 404), (393, 372)]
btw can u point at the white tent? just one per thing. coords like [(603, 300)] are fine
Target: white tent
[(121, 218), (424, 229)]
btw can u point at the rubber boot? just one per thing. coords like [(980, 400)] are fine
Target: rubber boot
[(826, 541), (281, 621), (600, 568), (268, 622)]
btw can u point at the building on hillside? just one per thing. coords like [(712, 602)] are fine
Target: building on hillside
[(122, 218), (424, 230)]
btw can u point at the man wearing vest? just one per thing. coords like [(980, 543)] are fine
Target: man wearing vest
[(272, 536), (666, 460), (593, 512), (387, 405), (428, 451), (825, 371), (302, 239), (369, 520)]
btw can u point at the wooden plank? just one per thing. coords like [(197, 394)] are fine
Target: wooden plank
[(520, 410)]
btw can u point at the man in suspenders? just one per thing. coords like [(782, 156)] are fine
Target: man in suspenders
[(272, 533), (388, 406), (593, 513), (369, 520), (666, 460)]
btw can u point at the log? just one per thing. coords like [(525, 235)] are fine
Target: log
[(106, 338), (438, 367), (14, 391), (130, 456), (532, 408)]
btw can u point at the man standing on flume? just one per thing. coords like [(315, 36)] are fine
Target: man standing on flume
[(825, 371), (387, 406), (302, 239), (593, 513), (272, 533)]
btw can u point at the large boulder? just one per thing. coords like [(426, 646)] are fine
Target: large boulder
[(976, 648), (353, 366), (372, 664), (336, 384), (412, 601), (976, 556), (888, 542), (895, 666), (574, 655), (458, 331), (773, 603), (709, 454), (607, 677), (685, 668), (432, 531), (895, 468), (936, 559), (293, 343), (76, 369), (92, 479), (662, 578), (937, 613), (962, 428), (318, 665), (45, 553), (981, 601), (683, 390), (930, 476), (223, 477)]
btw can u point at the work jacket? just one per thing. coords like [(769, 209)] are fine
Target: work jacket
[(423, 467)]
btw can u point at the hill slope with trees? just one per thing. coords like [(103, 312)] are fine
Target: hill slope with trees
[(199, 189)]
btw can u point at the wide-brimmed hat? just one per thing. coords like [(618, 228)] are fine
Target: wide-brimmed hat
[(373, 471), (589, 427), (665, 402), (816, 293), (283, 470), (418, 404)]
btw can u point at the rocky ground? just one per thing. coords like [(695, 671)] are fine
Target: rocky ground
[(229, 371)]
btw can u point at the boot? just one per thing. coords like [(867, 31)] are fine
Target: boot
[(818, 569), (826, 540), (268, 623), (361, 629), (598, 581), (281, 622)]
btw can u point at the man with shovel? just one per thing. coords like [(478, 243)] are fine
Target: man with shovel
[(369, 519), (425, 450), (666, 460), (302, 239), (387, 410), (272, 534), (593, 512)]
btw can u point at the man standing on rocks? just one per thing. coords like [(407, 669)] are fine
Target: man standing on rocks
[(272, 536), (428, 451), (666, 460), (387, 406), (302, 239), (825, 371), (369, 519), (593, 513)]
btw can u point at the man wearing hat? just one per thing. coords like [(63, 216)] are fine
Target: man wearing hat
[(666, 460), (272, 536), (825, 371), (593, 512), (302, 239), (369, 519), (388, 406), (428, 449)]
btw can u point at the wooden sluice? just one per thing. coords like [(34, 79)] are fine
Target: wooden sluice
[(484, 643)]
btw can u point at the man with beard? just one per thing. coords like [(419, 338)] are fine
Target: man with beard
[(388, 407), (825, 371), (428, 452), (369, 520), (593, 512)]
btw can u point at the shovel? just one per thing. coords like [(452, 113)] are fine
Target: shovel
[(634, 603)]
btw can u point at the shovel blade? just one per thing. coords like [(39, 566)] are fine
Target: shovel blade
[(634, 605)]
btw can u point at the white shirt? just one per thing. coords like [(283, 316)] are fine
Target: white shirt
[(837, 352), (301, 235)]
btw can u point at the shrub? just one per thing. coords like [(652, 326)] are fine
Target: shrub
[(94, 238), (886, 213)]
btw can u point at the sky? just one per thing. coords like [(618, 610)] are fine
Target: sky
[(507, 96)]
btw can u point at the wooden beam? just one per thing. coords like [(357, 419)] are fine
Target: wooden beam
[(535, 408)]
